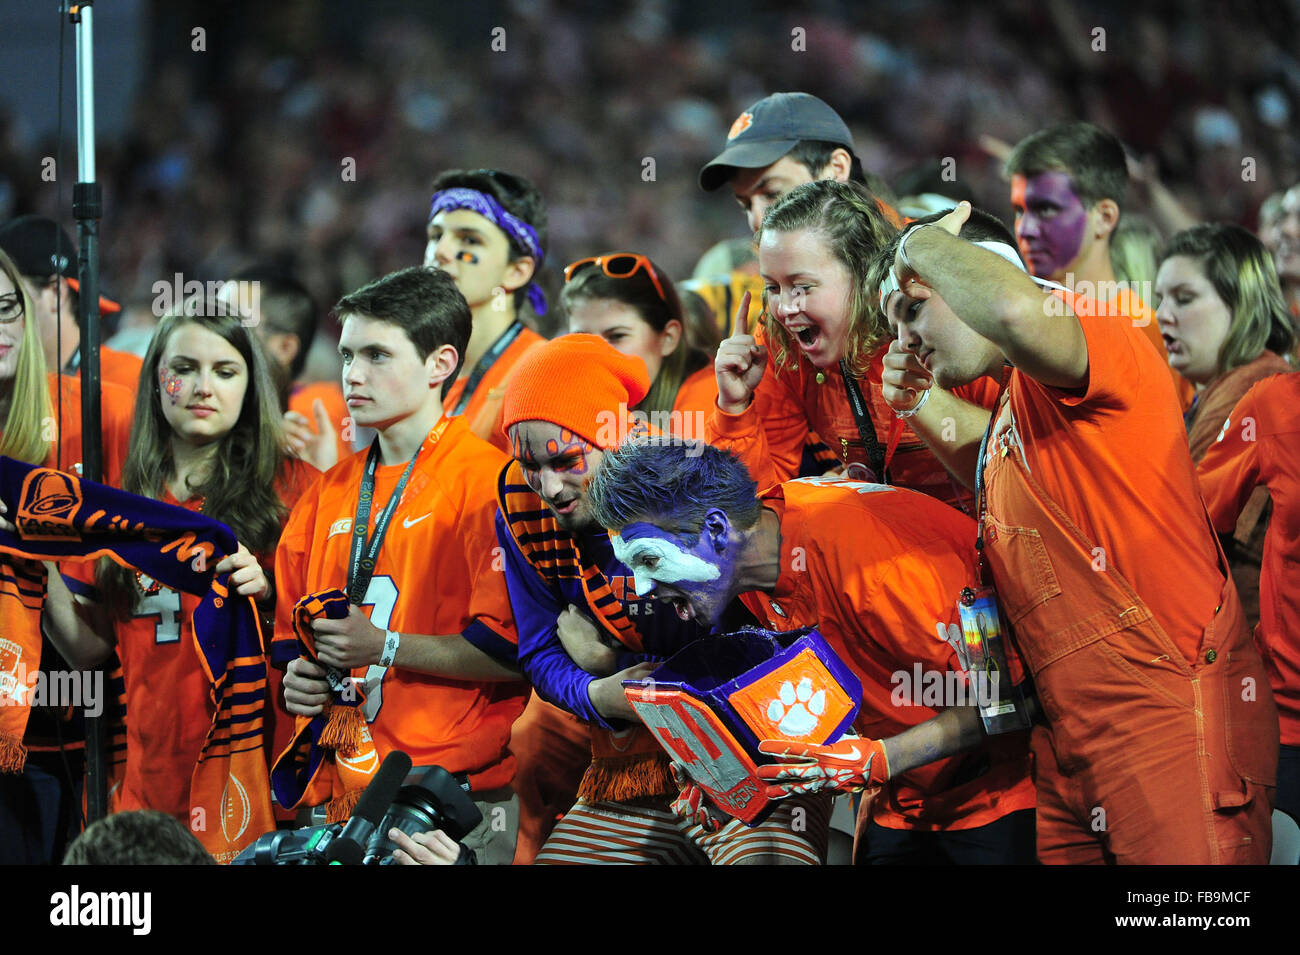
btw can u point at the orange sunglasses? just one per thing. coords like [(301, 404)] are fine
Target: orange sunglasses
[(619, 265)]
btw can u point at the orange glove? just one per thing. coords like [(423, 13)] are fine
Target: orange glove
[(691, 803), (848, 765)]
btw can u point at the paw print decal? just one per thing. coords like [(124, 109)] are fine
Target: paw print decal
[(796, 709)]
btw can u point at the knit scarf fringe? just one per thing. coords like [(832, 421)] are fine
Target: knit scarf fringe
[(342, 731), (619, 778), (13, 754), (339, 809)]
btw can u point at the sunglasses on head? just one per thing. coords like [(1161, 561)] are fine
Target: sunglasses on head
[(619, 265)]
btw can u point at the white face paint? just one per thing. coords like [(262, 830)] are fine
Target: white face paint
[(654, 560)]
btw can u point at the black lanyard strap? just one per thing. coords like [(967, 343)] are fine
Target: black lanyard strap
[(485, 363), (361, 560), (866, 427), (981, 503)]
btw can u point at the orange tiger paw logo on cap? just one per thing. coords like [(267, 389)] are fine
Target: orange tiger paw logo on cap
[(742, 123)]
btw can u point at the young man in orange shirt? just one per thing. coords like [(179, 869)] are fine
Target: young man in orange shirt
[(1161, 740), (878, 571), (436, 650)]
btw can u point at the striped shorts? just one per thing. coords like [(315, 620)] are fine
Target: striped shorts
[(612, 833)]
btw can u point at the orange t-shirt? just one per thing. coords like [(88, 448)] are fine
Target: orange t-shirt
[(770, 434), (168, 705), (1115, 460), (1128, 306), (1259, 446), (878, 571), (121, 368), (485, 410), (303, 397), (435, 574), (116, 413)]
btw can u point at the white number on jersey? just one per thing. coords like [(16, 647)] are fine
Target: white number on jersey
[(166, 606), (382, 596)]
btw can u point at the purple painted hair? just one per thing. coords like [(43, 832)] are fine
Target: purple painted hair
[(672, 484)]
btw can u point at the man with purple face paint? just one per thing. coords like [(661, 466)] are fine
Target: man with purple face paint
[(877, 570), (1068, 184), (568, 588)]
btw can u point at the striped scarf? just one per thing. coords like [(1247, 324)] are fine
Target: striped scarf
[(331, 756), (62, 517), (625, 765)]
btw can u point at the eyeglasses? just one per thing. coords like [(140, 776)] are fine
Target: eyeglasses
[(11, 307), (619, 265)]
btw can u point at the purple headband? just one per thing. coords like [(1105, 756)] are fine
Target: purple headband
[(514, 227)]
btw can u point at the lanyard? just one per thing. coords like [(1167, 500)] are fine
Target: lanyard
[(981, 504), (866, 428), (486, 362), (361, 560)]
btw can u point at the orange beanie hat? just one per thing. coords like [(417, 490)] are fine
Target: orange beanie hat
[(579, 382)]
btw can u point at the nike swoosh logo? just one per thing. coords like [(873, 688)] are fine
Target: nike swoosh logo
[(410, 523), (853, 754)]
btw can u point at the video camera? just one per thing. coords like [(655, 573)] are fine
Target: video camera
[(434, 800)]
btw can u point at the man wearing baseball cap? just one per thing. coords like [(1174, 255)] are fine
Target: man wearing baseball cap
[(783, 141), (47, 259)]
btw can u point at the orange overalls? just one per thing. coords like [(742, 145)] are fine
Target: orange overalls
[(1146, 757)]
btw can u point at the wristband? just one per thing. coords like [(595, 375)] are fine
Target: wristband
[(915, 408), (391, 643)]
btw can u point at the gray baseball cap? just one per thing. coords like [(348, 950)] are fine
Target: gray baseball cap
[(769, 129)]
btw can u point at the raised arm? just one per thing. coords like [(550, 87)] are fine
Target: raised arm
[(1036, 332)]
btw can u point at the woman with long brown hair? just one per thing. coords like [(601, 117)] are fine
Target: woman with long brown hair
[(207, 437)]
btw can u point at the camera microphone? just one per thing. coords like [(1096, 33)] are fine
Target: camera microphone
[(349, 848)]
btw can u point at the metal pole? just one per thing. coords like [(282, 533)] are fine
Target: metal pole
[(87, 209)]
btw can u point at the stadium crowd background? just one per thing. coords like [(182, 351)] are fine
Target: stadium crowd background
[(238, 152)]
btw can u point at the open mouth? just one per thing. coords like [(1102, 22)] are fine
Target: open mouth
[(567, 507), (1171, 344), (808, 335), (683, 607)]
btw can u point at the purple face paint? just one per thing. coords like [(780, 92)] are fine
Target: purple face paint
[(170, 383), (693, 578), (1050, 222)]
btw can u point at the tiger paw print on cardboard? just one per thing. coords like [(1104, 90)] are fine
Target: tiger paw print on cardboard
[(712, 703)]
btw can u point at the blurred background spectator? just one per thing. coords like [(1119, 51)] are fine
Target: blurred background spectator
[(306, 133)]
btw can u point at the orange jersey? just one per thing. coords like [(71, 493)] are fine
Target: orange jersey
[(121, 368), (436, 573), (303, 398), (116, 412), (168, 704), (1115, 461), (1258, 447), (485, 407), (878, 571)]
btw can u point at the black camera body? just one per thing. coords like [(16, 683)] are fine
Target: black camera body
[(431, 799)]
